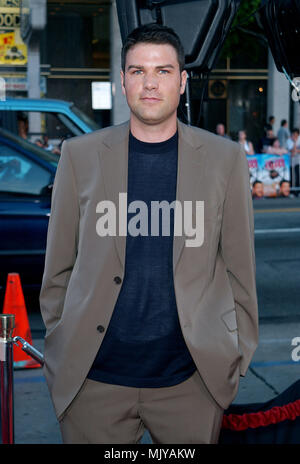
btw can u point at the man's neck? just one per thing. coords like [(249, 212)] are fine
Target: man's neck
[(153, 133)]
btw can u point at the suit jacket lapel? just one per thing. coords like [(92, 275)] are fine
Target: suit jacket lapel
[(114, 163), (190, 178), (113, 155)]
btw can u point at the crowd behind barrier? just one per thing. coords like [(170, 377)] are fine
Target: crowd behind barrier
[(270, 176), (274, 164)]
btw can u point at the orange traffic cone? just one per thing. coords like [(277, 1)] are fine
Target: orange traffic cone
[(14, 303)]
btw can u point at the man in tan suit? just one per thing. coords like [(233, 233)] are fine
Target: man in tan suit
[(147, 328)]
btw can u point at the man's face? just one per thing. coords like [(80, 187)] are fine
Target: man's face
[(220, 129), (258, 190), (285, 189), (273, 174), (295, 136), (152, 82)]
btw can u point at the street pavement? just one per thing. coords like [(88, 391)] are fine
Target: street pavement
[(274, 367), (271, 371)]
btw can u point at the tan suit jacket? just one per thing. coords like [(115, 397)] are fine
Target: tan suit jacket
[(214, 284)]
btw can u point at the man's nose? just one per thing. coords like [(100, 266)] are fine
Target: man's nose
[(150, 82)]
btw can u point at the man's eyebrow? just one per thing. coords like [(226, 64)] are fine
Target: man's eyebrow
[(166, 66), (137, 66), (134, 66)]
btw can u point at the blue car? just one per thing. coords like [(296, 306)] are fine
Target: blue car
[(26, 178), (59, 116), (40, 118)]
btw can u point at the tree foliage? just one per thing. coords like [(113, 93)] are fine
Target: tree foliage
[(246, 36)]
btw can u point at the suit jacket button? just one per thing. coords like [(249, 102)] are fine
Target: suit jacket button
[(117, 280), (100, 328)]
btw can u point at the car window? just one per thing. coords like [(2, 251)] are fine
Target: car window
[(54, 128), (43, 154), (19, 174), (89, 121)]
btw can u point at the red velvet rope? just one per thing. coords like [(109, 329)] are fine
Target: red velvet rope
[(276, 414)]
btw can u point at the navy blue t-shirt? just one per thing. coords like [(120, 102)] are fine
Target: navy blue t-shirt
[(144, 345)]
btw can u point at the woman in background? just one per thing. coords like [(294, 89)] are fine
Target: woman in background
[(248, 146), (276, 149)]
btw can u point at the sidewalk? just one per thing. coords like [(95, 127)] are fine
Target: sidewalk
[(272, 371)]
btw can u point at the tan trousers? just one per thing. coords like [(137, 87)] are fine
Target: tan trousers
[(114, 414)]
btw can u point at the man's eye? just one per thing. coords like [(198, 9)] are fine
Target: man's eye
[(138, 71), (164, 71)]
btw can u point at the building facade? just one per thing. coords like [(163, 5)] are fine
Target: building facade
[(81, 45)]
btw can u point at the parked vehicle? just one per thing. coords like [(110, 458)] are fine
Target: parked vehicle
[(26, 178), (58, 119)]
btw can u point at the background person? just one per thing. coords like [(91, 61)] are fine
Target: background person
[(266, 140), (283, 133), (47, 146), (271, 122), (246, 144), (275, 148), (220, 130), (23, 124)]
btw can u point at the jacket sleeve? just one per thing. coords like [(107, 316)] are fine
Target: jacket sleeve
[(62, 240), (237, 247)]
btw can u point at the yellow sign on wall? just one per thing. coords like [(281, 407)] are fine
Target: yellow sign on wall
[(7, 38), (13, 51)]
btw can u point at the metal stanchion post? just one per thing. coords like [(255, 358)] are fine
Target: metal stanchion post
[(7, 324)]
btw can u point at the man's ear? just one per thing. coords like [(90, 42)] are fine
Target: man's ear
[(122, 81), (183, 79)]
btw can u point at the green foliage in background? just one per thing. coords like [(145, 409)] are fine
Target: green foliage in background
[(246, 36)]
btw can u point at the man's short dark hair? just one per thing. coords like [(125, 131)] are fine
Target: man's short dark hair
[(295, 130), (283, 122), (256, 182), (283, 181), (153, 34)]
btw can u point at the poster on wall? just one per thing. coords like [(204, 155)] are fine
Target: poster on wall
[(269, 175), (13, 50)]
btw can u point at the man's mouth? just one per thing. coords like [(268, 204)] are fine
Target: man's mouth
[(150, 99)]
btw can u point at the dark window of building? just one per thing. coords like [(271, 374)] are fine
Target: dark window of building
[(78, 34)]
